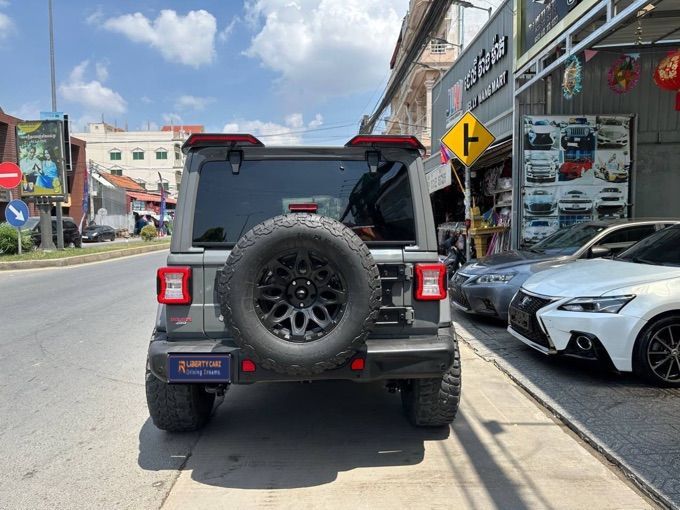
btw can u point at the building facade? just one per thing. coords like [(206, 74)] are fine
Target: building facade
[(480, 81), (411, 107), (140, 155)]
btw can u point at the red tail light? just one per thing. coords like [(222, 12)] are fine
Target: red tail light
[(358, 364), (207, 139), (405, 141), (430, 282), (173, 285), (312, 208), (248, 365)]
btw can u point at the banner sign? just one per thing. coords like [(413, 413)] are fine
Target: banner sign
[(438, 178), (40, 150), (538, 18), (576, 169)]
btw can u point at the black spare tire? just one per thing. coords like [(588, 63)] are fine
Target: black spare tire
[(300, 293)]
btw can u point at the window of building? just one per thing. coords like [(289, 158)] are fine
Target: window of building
[(116, 171), (115, 155), (138, 154), (437, 47), (161, 154), (178, 153), (166, 186)]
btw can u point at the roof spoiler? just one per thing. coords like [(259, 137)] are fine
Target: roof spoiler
[(401, 141), (197, 140)]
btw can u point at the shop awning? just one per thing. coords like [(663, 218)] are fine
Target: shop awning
[(495, 154), (148, 197)]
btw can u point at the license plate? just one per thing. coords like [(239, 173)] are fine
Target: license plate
[(200, 368), (577, 139), (520, 319)]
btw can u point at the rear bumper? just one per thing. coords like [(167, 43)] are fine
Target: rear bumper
[(385, 358)]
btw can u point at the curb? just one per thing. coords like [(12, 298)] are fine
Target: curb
[(573, 425), (81, 259)]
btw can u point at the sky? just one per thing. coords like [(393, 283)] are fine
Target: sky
[(290, 71)]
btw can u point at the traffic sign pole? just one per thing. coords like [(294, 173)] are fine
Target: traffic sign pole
[(19, 240), (468, 213)]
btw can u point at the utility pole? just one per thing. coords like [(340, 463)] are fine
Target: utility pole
[(46, 206)]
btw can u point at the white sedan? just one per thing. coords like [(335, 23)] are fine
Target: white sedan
[(625, 312)]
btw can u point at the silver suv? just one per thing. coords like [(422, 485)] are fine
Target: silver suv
[(302, 264)]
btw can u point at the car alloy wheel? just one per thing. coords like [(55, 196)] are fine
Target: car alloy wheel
[(663, 353), (300, 296)]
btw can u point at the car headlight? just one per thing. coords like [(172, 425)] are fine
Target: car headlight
[(495, 278), (610, 304)]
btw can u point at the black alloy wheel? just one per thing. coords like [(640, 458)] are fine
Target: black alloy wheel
[(300, 296), (663, 353)]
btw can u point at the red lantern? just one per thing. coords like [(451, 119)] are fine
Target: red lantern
[(667, 75)]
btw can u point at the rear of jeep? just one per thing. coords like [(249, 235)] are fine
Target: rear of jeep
[(302, 264)]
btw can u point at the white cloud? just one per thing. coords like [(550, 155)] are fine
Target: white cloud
[(328, 47), (188, 102), (224, 34), (189, 39), (27, 111), (102, 71), (6, 26), (172, 118), (92, 95), (95, 17), (291, 132)]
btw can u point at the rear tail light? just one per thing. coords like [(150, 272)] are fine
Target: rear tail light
[(173, 285), (430, 282), (358, 364)]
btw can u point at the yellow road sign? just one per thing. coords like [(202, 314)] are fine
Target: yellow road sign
[(467, 139)]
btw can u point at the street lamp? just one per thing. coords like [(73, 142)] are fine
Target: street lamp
[(469, 5)]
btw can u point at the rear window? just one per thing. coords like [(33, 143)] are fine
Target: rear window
[(378, 207)]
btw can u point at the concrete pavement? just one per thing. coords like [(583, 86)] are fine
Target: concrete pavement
[(75, 430), (634, 424), (343, 445)]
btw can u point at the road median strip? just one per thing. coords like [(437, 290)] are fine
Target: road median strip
[(82, 259)]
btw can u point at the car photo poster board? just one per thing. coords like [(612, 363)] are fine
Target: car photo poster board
[(576, 169)]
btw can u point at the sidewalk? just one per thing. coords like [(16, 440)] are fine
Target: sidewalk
[(345, 445), (631, 423)]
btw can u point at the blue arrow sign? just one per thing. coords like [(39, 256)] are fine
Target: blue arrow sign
[(16, 213)]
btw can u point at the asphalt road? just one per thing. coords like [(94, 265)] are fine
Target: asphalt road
[(633, 422), (75, 433)]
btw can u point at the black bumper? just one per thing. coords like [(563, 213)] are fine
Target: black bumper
[(385, 358)]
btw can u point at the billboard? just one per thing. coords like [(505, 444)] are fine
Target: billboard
[(576, 168), (40, 150)]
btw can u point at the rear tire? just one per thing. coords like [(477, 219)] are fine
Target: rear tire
[(177, 407), (433, 402)]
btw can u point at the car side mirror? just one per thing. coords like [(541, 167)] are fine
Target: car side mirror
[(597, 252)]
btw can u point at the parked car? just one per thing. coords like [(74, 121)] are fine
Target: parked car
[(541, 135), (99, 233), (612, 132), (541, 166), (538, 229), (71, 232), (612, 170), (575, 202), (486, 286), (578, 134), (574, 169), (624, 312), (540, 202), (611, 203)]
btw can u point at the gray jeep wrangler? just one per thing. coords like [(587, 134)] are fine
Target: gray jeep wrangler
[(302, 264)]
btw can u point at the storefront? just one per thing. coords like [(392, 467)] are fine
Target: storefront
[(481, 82), (596, 126)]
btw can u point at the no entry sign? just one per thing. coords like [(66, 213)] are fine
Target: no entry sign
[(10, 175)]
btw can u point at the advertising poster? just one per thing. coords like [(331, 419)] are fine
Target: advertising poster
[(40, 149), (576, 169)]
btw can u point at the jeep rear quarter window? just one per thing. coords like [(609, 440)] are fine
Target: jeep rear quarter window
[(378, 206)]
